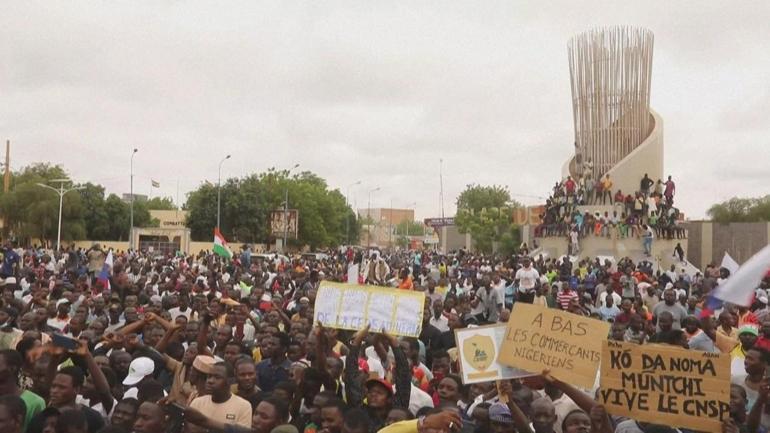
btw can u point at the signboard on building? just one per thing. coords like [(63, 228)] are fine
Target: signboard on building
[(439, 222), (278, 223)]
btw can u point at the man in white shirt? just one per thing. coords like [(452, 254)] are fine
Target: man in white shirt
[(438, 320), (527, 277)]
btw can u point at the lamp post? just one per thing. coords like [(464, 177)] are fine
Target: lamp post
[(286, 209), (61, 191), (407, 223), (347, 218), (219, 188), (369, 217), (131, 191)]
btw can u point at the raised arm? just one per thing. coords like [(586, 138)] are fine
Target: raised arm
[(353, 388), (519, 418), (97, 376), (403, 373), (170, 332), (581, 399)]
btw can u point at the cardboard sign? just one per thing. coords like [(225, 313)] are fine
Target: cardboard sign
[(569, 345), (478, 349), (352, 306), (666, 385)]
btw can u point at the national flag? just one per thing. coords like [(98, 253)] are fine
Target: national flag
[(740, 287), (220, 245), (104, 275), (155, 183)]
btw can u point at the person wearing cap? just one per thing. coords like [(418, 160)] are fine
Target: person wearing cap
[(139, 370), (202, 366), (500, 419), (379, 393)]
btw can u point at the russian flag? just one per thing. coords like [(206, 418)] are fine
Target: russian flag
[(104, 275), (739, 288)]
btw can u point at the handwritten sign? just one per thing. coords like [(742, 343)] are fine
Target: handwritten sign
[(569, 345), (352, 306), (478, 349), (666, 385)]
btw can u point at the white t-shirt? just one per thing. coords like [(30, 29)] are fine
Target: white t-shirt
[(527, 278)]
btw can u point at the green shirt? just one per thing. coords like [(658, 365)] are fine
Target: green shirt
[(35, 404)]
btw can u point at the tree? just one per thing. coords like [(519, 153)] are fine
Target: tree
[(412, 228), (741, 210), (160, 203), (31, 212), (246, 204), (486, 213)]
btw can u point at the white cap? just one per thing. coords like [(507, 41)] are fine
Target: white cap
[(138, 370), (62, 301)]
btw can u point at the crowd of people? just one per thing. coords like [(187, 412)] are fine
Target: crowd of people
[(646, 214), (195, 343)]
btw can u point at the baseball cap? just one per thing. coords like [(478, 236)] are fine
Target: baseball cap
[(381, 382), (499, 412), (748, 329), (138, 370), (62, 301)]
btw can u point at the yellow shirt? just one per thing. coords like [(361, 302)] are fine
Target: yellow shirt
[(409, 426)]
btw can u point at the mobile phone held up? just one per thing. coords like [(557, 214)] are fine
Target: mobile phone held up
[(64, 342)]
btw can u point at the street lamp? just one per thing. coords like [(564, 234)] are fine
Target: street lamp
[(131, 222), (369, 217), (219, 187), (61, 191), (347, 218), (409, 206), (286, 209)]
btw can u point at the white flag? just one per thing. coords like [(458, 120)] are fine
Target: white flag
[(729, 264), (739, 288)]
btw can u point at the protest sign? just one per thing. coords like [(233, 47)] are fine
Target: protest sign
[(352, 306), (666, 385), (569, 345), (478, 349)]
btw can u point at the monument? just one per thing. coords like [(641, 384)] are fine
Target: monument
[(616, 132)]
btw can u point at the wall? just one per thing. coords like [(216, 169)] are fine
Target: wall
[(740, 240)]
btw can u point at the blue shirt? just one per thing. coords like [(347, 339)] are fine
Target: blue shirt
[(10, 258), (270, 375)]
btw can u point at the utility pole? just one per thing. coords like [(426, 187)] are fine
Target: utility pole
[(61, 191), (131, 228), (7, 174), (286, 209), (219, 187), (369, 218), (347, 217)]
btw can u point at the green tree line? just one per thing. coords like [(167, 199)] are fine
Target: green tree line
[(31, 212), (739, 209), (325, 219), (486, 212)]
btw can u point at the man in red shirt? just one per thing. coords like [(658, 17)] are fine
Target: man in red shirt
[(569, 185)]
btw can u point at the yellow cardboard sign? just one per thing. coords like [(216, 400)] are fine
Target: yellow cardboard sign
[(352, 306), (666, 385), (569, 345)]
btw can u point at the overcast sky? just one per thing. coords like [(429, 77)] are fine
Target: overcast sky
[(376, 91)]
